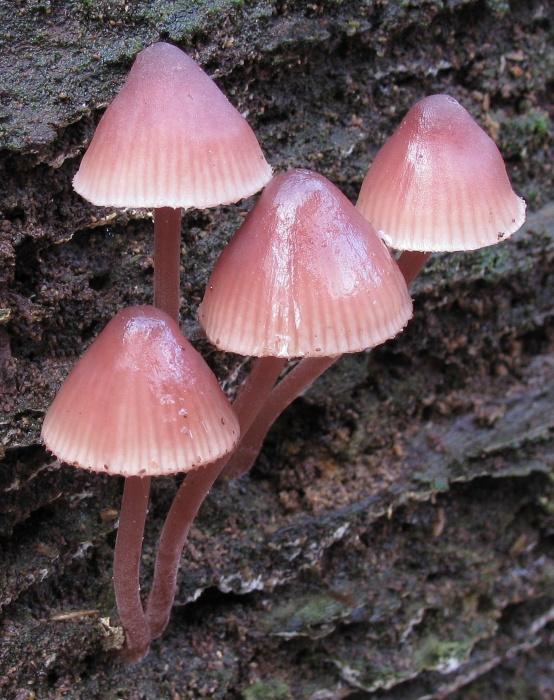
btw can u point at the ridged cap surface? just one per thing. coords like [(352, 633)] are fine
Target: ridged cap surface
[(440, 183), (305, 275), (141, 401), (171, 139)]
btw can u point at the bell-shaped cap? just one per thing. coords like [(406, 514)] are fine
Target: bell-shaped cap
[(305, 275), (440, 184), (140, 402), (171, 139)]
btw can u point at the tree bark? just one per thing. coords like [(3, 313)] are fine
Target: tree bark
[(394, 539)]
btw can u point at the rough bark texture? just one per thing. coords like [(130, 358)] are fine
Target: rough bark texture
[(395, 539)]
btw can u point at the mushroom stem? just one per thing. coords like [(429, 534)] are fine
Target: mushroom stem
[(411, 263), (192, 493), (255, 390), (182, 513), (167, 265), (134, 507), (128, 547), (289, 388)]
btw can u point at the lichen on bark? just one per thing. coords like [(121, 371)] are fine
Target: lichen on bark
[(395, 537)]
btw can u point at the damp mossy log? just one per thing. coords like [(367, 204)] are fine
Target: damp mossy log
[(395, 537)]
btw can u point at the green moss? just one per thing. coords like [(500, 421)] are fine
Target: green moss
[(547, 503), (499, 7), (95, 35), (525, 133), (444, 654), (534, 123), (273, 689), (302, 616)]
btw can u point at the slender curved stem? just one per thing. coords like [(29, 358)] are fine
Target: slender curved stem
[(288, 389), (134, 506), (192, 494), (126, 568), (185, 506), (167, 264), (255, 390)]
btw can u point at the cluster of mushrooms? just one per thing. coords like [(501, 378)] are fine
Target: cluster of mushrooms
[(305, 276)]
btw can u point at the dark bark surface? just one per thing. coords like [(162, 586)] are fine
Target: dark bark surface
[(395, 539)]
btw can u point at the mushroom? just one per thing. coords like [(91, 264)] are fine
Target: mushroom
[(141, 402), (314, 278), (170, 140), (316, 282), (439, 184)]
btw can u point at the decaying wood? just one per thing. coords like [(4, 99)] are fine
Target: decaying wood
[(395, 538)]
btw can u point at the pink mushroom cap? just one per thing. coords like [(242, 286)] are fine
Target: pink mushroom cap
[(171, 138), (305, 275), (141, 401), (440, 183)]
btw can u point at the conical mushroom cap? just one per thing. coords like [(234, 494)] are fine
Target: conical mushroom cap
[(305, 275), (171, 139), (440, 184), (141, 401)]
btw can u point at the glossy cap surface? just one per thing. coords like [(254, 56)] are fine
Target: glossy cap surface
[(305, 275), (141, 401), (171, 139), (440, 183)]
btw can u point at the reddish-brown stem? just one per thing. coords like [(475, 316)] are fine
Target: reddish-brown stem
[(134, 506), (307, 371), (182, 513), (411, 263), (167, 264), (288, 389), (193, 492), (255, 390), (126, 568)]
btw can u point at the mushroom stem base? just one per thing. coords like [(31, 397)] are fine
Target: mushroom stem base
[(128, 548)]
